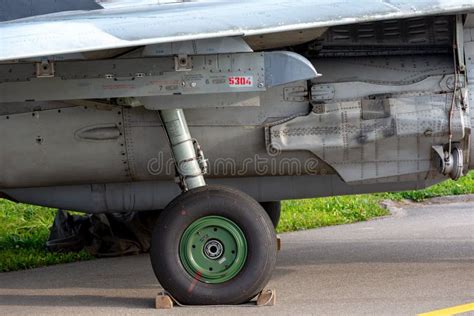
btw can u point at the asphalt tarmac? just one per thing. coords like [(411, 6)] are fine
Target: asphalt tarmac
[(419, 260)]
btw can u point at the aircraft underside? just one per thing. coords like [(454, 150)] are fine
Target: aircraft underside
[(377, 120), (192, 126)]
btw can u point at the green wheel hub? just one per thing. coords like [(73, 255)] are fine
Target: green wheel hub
[(213, 249)]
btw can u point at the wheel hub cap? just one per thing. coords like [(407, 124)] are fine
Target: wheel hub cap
[(213, 249)]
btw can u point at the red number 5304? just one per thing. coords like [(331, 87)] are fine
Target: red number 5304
[(245, 81)]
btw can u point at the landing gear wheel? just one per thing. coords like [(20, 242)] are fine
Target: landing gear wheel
[(213, 245), (273, 210)]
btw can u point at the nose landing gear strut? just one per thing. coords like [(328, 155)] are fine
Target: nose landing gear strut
[(211, 244)]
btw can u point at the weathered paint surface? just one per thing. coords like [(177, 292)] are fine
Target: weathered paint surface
[(119, 26)]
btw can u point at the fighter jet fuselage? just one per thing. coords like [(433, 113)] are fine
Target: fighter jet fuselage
[(107, 106)]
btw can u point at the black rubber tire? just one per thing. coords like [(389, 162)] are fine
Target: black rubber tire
[(273, 210), (243, 211)]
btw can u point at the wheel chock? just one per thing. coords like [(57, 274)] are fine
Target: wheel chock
[(163, 301), (278, 243), (266, 298)]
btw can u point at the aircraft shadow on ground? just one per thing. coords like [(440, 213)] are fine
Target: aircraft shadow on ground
[(76, 300)]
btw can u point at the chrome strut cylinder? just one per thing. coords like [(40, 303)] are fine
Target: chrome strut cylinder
[(188, 162)]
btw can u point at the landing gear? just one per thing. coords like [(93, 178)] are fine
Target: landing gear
[(211, 244)]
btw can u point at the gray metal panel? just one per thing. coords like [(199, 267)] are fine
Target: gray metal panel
[(205, 75), (273, 106), (469, 24), (154, 195), (67, 145), (284, 39), (396, 71), (94, 79), (285, 67), (469, 55), (395, 142), (228, 135), (201, 101), (354, 90), (377, 117), (209, 46), (151, 24)]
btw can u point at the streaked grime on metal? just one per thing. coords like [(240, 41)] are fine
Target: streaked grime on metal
[(123, 25)]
